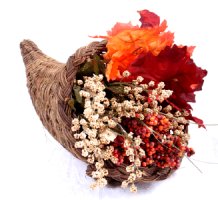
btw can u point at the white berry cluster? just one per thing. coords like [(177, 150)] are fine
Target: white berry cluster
[(93, 129)]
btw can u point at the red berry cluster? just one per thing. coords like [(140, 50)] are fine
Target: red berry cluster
[(119, 150), (162, 148)]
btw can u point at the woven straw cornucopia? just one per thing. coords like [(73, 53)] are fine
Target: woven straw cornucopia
[(50, 86)]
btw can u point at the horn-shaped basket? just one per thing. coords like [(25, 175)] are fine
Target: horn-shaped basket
[(50, 86)]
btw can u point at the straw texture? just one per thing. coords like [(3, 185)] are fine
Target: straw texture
[(50, 86)]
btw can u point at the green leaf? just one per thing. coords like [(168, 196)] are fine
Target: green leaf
[(95, 63), (116, 89), (71, 103), (121, 83), (76, 90), (94, 66), (86, 69)]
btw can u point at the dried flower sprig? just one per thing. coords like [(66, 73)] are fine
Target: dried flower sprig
[(122, 128)]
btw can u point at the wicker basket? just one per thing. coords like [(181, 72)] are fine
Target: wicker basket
[(50, 86)]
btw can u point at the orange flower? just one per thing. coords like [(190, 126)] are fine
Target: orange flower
[(124, 47)]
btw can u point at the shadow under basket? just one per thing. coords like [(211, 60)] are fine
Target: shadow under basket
[(50, 86)]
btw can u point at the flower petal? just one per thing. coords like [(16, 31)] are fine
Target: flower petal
[(119, 27), (198, 121), (148, 19)]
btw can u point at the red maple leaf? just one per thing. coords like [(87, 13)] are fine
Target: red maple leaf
[(176, 69)]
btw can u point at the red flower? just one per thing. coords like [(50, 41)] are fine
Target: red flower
[(175, 68)]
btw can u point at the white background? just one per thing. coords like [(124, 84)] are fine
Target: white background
[(33, 165)]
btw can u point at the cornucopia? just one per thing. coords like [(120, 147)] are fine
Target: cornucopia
[(120, 104)]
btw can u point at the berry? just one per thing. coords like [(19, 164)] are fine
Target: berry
[(161, 148)]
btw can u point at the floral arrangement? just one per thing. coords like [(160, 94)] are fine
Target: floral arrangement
[(132, 101)]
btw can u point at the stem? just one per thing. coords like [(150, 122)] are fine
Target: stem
[(191, 122), (211, 163)]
